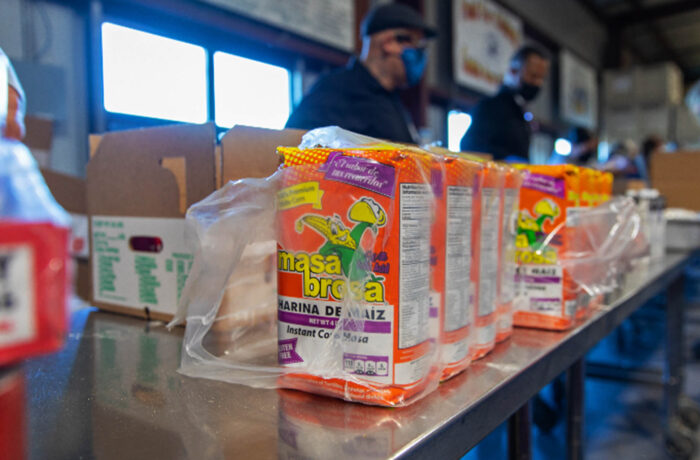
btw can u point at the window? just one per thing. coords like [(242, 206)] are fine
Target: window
[(562, 146), (457, 125), (250, 92), (153, 76)]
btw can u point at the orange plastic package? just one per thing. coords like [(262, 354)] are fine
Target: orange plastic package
[(543, 240), (485, 242), (606, 186), (506, 255), (353, 274), (455, 186)]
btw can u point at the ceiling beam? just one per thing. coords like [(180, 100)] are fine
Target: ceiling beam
[(615, 36), (596, 12), (651, 13), (660, 38)]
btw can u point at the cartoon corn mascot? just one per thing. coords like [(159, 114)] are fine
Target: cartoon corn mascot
[(530, 228), (344, 242)]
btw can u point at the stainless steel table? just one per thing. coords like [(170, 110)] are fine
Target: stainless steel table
[(114, 393)]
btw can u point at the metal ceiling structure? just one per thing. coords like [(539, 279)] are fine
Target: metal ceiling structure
[(654, 30)]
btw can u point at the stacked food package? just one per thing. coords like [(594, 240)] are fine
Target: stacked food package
[(570, 239), (396, 266)]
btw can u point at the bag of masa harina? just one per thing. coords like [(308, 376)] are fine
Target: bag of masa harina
[(486, 246), (456, 187), (545, 237), (353, 274)]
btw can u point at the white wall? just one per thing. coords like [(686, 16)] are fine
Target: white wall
[(66, 51)]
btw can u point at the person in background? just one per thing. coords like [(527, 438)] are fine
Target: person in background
[(584, 147), (13, 128), (650, 146), (692, 100), (622, 161), (364, 96), (498, 122)]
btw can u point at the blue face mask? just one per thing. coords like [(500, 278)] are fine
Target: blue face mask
[(414, 60)]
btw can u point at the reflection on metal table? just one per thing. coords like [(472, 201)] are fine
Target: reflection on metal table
[(114, 393)]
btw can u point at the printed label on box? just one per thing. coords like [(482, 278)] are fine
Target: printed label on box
[(542, 285), (139, 262), (17, 305)]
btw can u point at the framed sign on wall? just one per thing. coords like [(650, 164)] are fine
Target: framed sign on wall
[(485, 36), (578, 95), (331, 22)]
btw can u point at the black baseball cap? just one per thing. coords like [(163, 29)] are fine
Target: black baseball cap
[(394, 16)]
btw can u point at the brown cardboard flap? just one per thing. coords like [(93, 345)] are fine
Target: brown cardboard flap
[(217, 166), (83, 280), (69, 191), (39, 132), (675, 175), (126, 177), (94, 142), (680, 194), (252, 152), (680, 166), (176, 165)]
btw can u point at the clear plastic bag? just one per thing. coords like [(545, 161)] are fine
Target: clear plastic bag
[(486, 243), (568, 255), (35, 269), (510, 200), (611, 237)]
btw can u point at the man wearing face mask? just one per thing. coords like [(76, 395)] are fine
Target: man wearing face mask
[(498, 122), (364, 97)]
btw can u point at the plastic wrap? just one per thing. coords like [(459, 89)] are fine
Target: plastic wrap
[(334, 137), (486, 246), (505, 296), (342, 307), (456, 187), (34, 260), (568, 255)]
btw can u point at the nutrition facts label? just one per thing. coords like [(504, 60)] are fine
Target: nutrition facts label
[(457, 260), (414, 280), (488, 256)]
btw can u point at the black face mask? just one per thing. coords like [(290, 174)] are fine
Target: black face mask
[(528, 91)]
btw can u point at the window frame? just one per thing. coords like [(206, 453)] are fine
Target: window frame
[(192, 33)]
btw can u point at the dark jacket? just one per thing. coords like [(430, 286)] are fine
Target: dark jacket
[(498, 127), (353, 99)]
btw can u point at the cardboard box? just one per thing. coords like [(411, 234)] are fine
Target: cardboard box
[(69, 192), (139, 186), (659, 84), (618, 88), (39, 139), (675, 175)]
